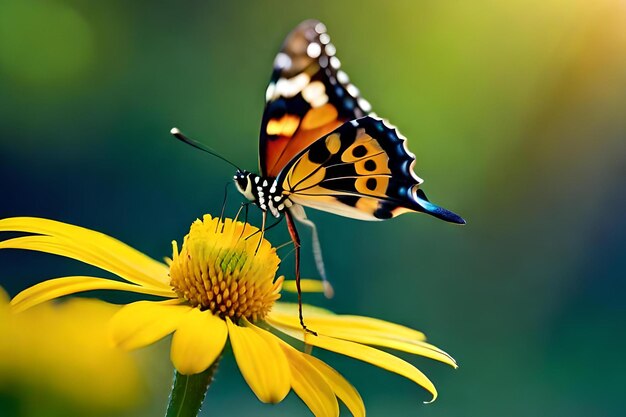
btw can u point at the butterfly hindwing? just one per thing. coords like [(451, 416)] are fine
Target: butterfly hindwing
[(308, 96), (361, 170)]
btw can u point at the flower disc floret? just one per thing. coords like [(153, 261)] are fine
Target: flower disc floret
[(225, 267)]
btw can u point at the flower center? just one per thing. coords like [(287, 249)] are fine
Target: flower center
[(218, 269)]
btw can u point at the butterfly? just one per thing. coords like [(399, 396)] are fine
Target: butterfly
[(321, 147)]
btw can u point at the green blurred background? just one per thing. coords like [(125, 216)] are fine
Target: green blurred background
[(514, 109)]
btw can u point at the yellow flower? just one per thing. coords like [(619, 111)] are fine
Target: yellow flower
[(61, 352), (221, 285)]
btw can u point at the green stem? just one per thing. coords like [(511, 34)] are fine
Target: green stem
[(188, 392)]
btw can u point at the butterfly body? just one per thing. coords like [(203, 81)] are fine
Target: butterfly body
[(264, 192)]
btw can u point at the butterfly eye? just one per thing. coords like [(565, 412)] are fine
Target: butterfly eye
[(242, 183)]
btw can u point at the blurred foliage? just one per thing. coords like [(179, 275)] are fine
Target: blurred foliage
[(515, 111)]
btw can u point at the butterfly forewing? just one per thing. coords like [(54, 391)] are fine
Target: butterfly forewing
[(361, 170), (308, 97)]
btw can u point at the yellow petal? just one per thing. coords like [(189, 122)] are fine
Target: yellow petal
[(342, 388), (4, 297), (364, 335), (87, 246), (198, 341), (261, 361), (310, 384), (58, 287), (287, 315), (89, 255), (306, 285), (367, 354), (291, 309), (144, 322)]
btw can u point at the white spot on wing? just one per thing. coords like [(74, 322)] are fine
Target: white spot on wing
[(334, 62), (330, 49), (342, 77), (314, 50), (269, 93), (315, 94), (282, 61), (352, 90), (292, 86), (320, 27), (324, 38), (365, 105)]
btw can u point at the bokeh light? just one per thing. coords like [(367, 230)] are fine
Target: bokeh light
[(43, 43)]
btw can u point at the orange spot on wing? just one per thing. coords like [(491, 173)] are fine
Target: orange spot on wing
[(400, 210), (304, 174), (333, 143), (301, 140), (367, 205), (372, 185), (319, 117), (285, 126)]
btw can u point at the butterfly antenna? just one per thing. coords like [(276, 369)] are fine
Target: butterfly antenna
[(179, 135)]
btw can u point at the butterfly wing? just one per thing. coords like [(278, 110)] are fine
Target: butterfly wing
[(362, 170), (308, 96)]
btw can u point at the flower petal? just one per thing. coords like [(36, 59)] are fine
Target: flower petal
[(58, 287), (310, 384), (87, 246), (342, 388), (198, 341), (261, 361), (287, 314), (364, 335), (291, 309), (367, 354), (306, 285), (144, 322)]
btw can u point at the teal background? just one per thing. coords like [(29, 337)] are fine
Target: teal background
[(515, 111)]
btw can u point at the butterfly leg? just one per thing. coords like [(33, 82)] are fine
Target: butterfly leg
[(223, 206), (262, 232), (300, 215), (296, 242), (271, 226), (245, 222)]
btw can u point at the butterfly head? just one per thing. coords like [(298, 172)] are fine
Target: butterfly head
[(243, 181)]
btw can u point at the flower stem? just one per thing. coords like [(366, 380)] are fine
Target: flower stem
[(188, 392)]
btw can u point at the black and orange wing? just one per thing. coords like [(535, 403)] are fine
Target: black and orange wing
[(308, 96), (362, 170)]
